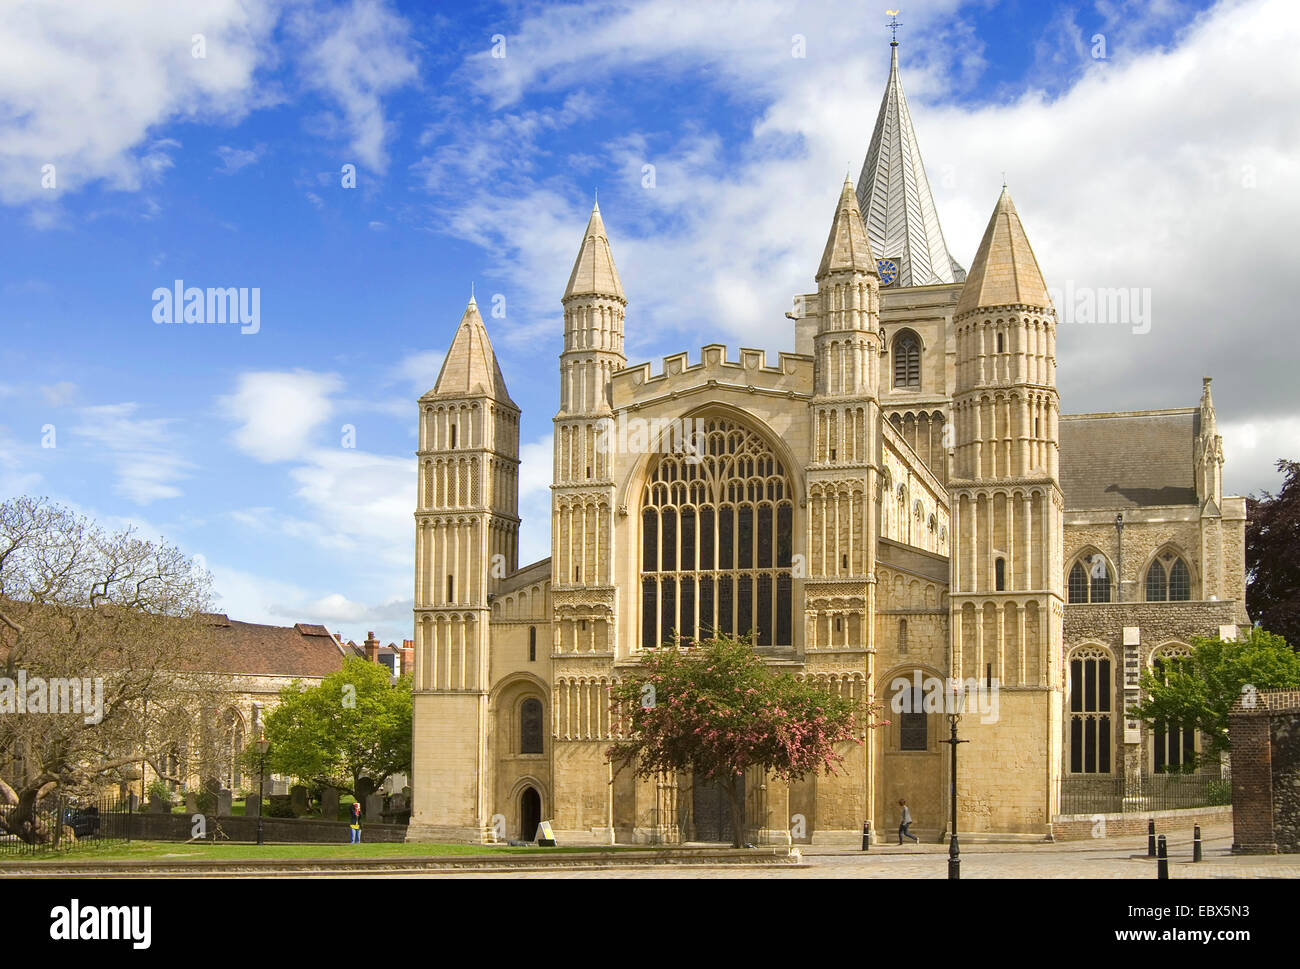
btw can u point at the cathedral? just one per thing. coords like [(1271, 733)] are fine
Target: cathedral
[(895, 503)]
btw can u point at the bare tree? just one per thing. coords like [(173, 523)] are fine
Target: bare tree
[(110, 611)]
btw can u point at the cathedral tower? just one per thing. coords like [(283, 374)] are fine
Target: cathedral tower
[(1007, 519), (467, 528)]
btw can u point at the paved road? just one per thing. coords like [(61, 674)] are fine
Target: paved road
[(1112, 858)]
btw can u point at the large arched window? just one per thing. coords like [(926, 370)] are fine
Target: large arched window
[(530, 726), (1169, 579), (1173, 746), (717, 537), (1090, 711), (907, 360), (1090, 578)]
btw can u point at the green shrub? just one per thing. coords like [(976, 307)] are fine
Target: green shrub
[(1219, 792)]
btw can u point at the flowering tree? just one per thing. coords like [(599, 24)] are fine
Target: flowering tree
[(712, 708)]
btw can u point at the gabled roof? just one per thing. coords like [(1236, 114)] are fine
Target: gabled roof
[(1128, 460), (1004, 271), (470, 368), (847, 247), (894, 195), (594, 273)]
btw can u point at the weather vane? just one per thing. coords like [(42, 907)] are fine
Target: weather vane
[(893, 25)]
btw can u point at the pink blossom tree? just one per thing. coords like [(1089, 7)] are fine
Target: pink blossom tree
[(712, 708)]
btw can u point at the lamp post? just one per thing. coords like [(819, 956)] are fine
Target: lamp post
[(263, 745), (956, 702)]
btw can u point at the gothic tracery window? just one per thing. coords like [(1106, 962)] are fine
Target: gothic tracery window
[(1169, 579), (717, 540), (530, 726), (1173, 745), (1090, 579), (1090, 711)]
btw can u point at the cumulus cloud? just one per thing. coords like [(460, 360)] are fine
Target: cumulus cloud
[(278, 412), (65, 102)]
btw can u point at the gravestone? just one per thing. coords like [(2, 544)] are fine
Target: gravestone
[(374, 807), (158, 806), (224, 805), (250, 806), (329, 803), (191, 803), (298, 799)]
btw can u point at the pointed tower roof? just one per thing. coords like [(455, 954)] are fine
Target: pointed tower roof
[(594, 273), (847, 246), (470, 367), (894, 193), (1004, 271)]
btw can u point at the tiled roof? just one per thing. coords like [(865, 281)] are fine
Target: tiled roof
[(250, 648), (1128, 460)]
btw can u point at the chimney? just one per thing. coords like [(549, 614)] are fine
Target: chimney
[(372, 648), (407, 654)]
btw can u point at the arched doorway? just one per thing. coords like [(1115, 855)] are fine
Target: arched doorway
[(530, 813)]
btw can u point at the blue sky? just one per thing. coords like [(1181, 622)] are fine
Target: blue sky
[(1167, 165)]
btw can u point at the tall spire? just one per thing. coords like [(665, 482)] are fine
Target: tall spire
[(1004, 271), (847, 247), (895, 198), (470, 367), (594, 273)]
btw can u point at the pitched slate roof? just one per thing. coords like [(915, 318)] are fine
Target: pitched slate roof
[(1132, 459)]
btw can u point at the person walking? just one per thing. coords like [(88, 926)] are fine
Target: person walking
[(356, 823), (904, 822)]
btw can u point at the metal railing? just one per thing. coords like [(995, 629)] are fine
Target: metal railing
[(1108, 794), (62, 824)]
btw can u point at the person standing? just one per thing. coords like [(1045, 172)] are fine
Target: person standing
[(904, 822), (356, 823)]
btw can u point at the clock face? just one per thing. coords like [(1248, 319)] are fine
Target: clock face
[(888, 270)]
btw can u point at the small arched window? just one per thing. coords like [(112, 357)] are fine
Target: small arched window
[(902, 635), (1169, 579), (532, 644), (530, 726), (453, 437), (907, 360), (1000, 574), (1090, 579)]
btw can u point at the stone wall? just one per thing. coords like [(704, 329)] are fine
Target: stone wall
[(180, 827), (1085, 827)]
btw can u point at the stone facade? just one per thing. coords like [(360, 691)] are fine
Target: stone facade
[(889, 505)]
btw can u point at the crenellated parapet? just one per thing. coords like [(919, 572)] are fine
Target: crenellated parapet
[(640, 385)]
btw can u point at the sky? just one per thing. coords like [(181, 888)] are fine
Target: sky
[(358, 165)]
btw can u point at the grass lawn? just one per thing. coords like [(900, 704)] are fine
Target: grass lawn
[(177, 851)]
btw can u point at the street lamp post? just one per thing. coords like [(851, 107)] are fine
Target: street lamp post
[(954, 714), (263, 745)]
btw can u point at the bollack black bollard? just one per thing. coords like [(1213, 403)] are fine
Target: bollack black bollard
[(1196, 842), (1162, 862), (866, 835), (1151, 838)]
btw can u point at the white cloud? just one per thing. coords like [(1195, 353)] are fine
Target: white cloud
[(233, 159), (355, 54), (1170, 169), (278, 412), (144, 451), (59, 394), (83, 85), (1251, 450)]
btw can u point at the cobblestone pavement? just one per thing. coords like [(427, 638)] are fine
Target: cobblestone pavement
[(1112, 858)]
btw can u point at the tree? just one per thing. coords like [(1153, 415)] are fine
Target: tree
[(713, 709), (120, 618), (355, 726), (1199, 691), (1273, 556)]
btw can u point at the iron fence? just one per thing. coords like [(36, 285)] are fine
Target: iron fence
[(62, 824), (1108, 794)]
